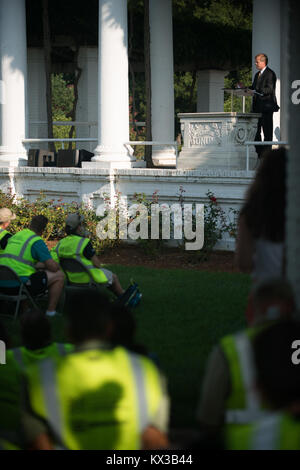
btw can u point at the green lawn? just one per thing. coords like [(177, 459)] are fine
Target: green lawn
[(183, 313)]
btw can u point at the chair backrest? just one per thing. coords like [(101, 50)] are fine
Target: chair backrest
[(8, 274), (72, 265)]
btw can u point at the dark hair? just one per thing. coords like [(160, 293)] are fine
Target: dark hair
[(264, 208), (89, 315), (276, 293), (70, 231), (38, 223), (35, 329), (277, 376), (124, 328)]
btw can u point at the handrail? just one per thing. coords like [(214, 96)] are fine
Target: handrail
[(265, 142), (81, 123), (91, 139)]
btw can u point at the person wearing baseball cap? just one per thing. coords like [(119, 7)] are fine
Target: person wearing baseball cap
[(6, 216), (77, 245), (27, 254)]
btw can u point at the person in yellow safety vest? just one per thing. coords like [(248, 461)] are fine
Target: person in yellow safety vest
[(37, 345), (76, 245), (6, 216), (100, 396), (36, 340), (277, 359), (27, 254), (228, 392)]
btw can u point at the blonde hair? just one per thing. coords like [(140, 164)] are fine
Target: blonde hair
[(263, 56)]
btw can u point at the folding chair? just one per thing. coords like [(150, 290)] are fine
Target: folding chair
[(73, 266), (8, 274)]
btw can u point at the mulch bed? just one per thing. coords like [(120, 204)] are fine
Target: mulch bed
[(130, 255), (170, 258)]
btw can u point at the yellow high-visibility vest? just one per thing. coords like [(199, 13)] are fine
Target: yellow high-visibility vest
[(96, 399), (17, 254), (73, 247)]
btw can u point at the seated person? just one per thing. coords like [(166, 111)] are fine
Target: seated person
[(228, 391), (77, 246), (36, 339), (37, 345), (27, 254), (112, 399), (277, 381), (6, 216), (10, 400)]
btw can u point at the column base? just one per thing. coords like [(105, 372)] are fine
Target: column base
[(164, 156), (12, 161), (114, 164), (109, 157)]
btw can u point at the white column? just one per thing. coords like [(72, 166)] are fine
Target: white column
[(36, 94), (162, 80), (13, 72), (210, 93), (113, 91), (267, 39), (87, 105)]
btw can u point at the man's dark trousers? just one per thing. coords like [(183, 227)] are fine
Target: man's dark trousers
[(265, 123)]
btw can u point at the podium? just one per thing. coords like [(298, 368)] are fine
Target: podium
[(243, 92)]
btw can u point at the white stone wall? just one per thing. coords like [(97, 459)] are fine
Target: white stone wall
[(89, 185)]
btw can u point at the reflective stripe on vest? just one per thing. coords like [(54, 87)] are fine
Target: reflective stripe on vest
[(49, 390), (18, 357), (266, 433), (139, 376), (61, 349), (252, 410)]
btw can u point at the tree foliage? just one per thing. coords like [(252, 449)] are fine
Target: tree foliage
[(62, 105)]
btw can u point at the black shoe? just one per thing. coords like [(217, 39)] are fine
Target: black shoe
[(128, 296)]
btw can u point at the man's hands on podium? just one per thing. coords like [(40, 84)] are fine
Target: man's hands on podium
[(246, 90)]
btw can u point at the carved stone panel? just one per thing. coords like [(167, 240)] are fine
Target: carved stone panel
[(202, 134)]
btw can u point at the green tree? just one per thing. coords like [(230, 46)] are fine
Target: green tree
[(62, 105), (231, 80)]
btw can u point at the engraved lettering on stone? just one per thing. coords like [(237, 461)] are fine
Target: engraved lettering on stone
[(205, 133)]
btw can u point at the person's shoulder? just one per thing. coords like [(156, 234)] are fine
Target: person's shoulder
[(270, 71)]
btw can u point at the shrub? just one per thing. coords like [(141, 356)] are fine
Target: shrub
[(56, 211)]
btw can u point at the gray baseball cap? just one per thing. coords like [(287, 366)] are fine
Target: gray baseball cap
[(73, 220)]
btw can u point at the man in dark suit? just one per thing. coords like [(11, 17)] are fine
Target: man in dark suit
[(265, 102)]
